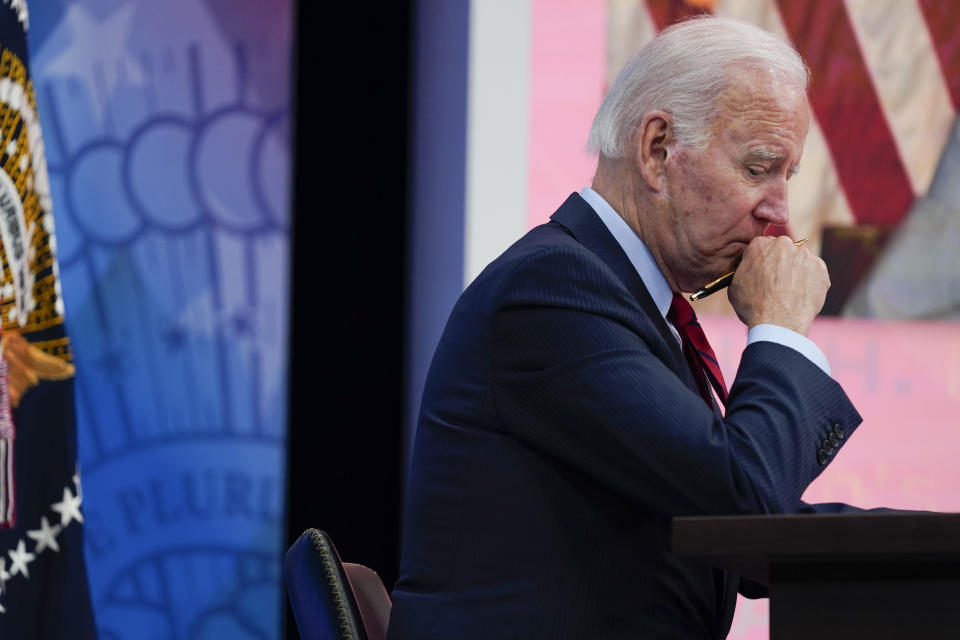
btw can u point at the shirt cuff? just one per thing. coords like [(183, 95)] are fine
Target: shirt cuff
[(792, 339)]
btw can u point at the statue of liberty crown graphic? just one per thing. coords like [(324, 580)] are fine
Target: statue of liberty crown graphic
[(167, 150)]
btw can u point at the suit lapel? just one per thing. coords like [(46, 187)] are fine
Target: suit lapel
[(585, 225)]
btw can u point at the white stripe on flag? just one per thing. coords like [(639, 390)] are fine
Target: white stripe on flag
[(899, 54), (629, 27)]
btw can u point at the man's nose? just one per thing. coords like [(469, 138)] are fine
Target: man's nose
[(774, 208)]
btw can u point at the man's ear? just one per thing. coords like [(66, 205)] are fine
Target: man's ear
[(654, 139)]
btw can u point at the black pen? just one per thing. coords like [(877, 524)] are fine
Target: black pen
[(724, 281)]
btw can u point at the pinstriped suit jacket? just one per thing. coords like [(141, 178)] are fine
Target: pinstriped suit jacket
[(560, 431)]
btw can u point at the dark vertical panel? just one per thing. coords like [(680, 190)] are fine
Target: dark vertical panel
[(438, 184), (347, 317)]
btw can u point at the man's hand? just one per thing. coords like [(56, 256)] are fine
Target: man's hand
[(778, 283)]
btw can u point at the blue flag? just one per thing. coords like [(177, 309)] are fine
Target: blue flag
[(43, 581)]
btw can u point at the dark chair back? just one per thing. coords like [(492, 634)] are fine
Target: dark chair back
[(325, 603)]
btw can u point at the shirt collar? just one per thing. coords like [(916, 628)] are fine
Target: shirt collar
[(637, 252)]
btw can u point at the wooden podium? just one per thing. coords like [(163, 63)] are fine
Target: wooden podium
[(849, 576)]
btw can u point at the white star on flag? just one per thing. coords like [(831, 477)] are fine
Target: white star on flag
[(68, 508), (19, 559), (45, 536)]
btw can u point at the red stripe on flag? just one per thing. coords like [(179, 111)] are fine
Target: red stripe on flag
[(667, 12), (848, 111), (943, 23)]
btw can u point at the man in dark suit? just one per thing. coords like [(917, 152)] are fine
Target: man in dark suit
[(570, 409)]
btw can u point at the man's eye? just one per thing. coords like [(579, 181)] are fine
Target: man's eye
[(756, 171)]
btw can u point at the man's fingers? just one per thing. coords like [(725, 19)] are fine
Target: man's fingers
[(757, 247), (777, 284)]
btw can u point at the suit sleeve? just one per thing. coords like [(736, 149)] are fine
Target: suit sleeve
[(574, 375)]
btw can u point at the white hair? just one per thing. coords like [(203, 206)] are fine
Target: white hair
[(683, 71)]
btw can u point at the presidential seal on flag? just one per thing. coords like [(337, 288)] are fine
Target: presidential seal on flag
[(43, 583)]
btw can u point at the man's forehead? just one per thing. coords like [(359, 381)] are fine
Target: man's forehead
[(760, 79), (775, 111), (759, 87), (759, 98)]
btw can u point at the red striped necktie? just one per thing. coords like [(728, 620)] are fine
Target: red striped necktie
[(696, 349)]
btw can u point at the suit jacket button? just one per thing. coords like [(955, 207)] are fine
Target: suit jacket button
[(822, 456), (838, 430), (827, 445), (834, 440)]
